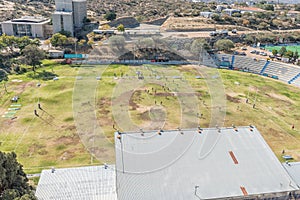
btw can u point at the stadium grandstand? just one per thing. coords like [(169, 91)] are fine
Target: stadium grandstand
[(287, 73)]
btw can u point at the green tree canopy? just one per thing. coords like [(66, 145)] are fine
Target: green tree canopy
[(269, 7), (274, 52), (296, 55), (198, 45), (10, 43), (32, 55), (3, 75), (13, 181), (58, 39), (289, 54), (121, 28), (110, 16), (224, 45), (282, 51), (146, 43)]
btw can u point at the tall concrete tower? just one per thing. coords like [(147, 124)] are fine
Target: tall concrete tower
[(69, 15)]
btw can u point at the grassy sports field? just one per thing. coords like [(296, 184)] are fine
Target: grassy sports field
[(52, 139), (288, 48)]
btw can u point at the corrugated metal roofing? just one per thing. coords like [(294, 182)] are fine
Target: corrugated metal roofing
[(192, 164), (81, 183), (293, 168)]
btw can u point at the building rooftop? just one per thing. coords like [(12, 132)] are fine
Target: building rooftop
[(293, 168), (62, 13), (95, 182), (198, 164), (79, 0), (29, 20), (251, 9)]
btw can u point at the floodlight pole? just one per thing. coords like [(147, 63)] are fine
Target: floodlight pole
[(201, 56), (255, 96)]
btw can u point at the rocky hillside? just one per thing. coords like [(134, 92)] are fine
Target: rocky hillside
[(142, 10), (10, 9)]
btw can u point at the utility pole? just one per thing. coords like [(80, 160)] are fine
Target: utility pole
[(201, 56)]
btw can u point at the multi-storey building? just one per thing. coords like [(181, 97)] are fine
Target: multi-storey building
[(69, 15)]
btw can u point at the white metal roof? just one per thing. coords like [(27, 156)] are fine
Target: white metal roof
[(293, 168), (81, 183), (186, 164)]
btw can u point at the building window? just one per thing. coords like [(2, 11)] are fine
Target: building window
[(61, 23)]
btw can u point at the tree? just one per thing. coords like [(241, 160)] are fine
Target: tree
[(32, 56), (297, 7), (58, 40), (296, 55), (269, 7), (146, 43), (121, 28), (3, 78), (237, 14), (117, 41), (66, 33), (81, 42), (216, 17), (8, 42), (274, 52), (198, 45), (282, 51), (110, 16), (47, 42), (289, 54), (13, 180), (224, 45), (22, 42)]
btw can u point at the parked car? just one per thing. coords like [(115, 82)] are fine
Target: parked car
[(224, 32), (244, 48), (243, 54), (234, 31), (253, 51), (214, 33), (264, 54), (235, 53), (257, 52), (271, 56)]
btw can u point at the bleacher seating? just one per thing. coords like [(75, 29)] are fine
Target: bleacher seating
[(277, 70), (248, 64), (209, 60), (284, 72), (297, 82)]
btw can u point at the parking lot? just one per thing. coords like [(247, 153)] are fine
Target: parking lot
[(257, 52)]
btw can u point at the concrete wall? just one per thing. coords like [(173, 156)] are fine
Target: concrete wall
[(64, 5), (7, 28), (37, 30), (79, 10), (67, 22)]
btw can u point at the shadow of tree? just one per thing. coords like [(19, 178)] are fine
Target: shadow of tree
[(44, 75)]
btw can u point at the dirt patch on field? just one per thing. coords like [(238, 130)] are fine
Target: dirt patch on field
[(145, 116), (132, 103), (104, 105), (67, 155), (233, 99), (67, 140), (280, 97), (69, 128), (20, 88)]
